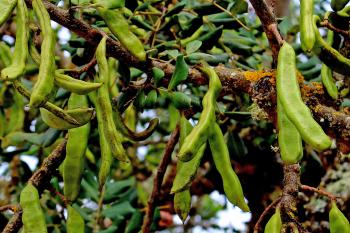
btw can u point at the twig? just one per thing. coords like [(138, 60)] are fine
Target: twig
[(270, 26), (40, 179), (327, 24), (319, 191), (85, 68), (267, 211), (158, 179), (13, 208), (59, 195)]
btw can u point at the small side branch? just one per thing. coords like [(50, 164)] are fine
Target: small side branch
[(266, 212), (318, 191), (4, 208), (158, 179)]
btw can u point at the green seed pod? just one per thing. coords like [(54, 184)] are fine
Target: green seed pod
[(120, 28), (103, 100), (274, 225), (20, 54), (182, 204), (289, 95), (75, 85), (337, 221), (307, 35), (75, 223), (289, 139), (221, 157), (45, 82), (199, 134), (33, 217), (81, 115), (186, 171), (73, 165), (6, 8), (326, 73)]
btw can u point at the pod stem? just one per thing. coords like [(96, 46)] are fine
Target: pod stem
[(319, 191)]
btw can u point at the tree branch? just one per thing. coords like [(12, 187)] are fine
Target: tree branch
[(158, 179), (232, 80), (40, 179), (268, 20)]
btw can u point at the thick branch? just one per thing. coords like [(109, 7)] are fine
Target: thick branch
[(290, 192), (158, 179), (40, 179)]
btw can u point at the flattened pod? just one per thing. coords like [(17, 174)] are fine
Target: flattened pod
[(75, 223), (274, 225), (81, 115), (73, 165), (221, 157), (20, 54), (6, 8), (45, 81), (103, 100), (307, 35), (120, 28), (337, 221), (199, 134), (290, 97), (289, 139), (33, 217)]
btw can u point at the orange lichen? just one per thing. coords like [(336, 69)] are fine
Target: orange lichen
[(313, 89), (254, 76)]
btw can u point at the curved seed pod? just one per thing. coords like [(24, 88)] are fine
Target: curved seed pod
[(199, 134), (73, 165), (20, 54), (182, 204), (75, 223), (186, 171), (221, 157), (33, 217), (6, 8), (75, 85), (290, 97), (289, 139), (81, 115), (120, 28), (106, 154), (103, 100), (337, 5), (274, 225), (328, 55), (307, 35), (136, 136), (45, 82), (337, 221), (326, 73)]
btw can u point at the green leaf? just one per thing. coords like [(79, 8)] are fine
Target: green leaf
[(193, 46), (151, 99), (118, 210), (157, 74), (239, 7), (135, 223), (114, 189), (180, 74)]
